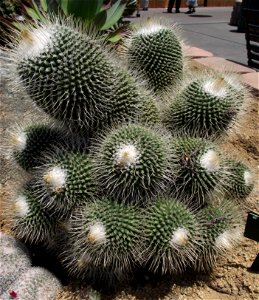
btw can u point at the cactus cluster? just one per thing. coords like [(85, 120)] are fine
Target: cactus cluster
[(18, 279), (148, 186)]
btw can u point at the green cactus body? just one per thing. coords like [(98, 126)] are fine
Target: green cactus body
[(30, 221), (171, 234), (155, 50), (199, 168), (14, 261), (67, 181), (240, 180), (66, 73), (34, 284), (131, 103), (205, 107), (105, 234), (132, 163), (30, 144), (220, 231)]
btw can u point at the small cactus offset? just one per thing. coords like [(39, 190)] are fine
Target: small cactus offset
[(221, 231), (240, 181), (29, 219), (131, 174)]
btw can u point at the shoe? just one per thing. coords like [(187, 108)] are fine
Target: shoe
[(169, 12), (177, 11), (193, 10), (188, 12), (145, 8)]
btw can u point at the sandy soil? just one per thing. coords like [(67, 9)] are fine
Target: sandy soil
[(230, 279)]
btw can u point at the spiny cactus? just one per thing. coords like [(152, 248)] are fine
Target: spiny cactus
[(14, 260), (104, 234), (121, 191), (200, 169), (206, 105), (221, 231), (171, 234), (240, 181), (29, 144), (34, 284), (132, 163), (155, 50), (66, 181), (28, 218)]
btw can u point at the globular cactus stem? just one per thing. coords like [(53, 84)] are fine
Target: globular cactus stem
[(200, 168), (171, 234), (66, 182), (132, 163), (14, 260), (34, 284), (206, 105), (104, 234), (155, 51), (29, 144), (221, 231), (28, 218)]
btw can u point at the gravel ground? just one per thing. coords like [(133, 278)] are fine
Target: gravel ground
[(230, 279)]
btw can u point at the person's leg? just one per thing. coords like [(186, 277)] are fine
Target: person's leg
[(170, 6), (190, 10), (177, 6)]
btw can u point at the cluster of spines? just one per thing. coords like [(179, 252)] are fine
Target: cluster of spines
[(206, 105), (137, 171)]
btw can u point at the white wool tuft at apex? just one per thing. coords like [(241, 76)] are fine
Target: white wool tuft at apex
[(34, 42), (21, 206), (126, 156), (216, 88), (227, 239), (97, 233), (179, 237), (151, 29), (19, 140), (248, 177), (56, 177), (210, 161)]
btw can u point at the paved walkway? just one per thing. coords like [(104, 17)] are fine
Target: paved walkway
[(208, 29)]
